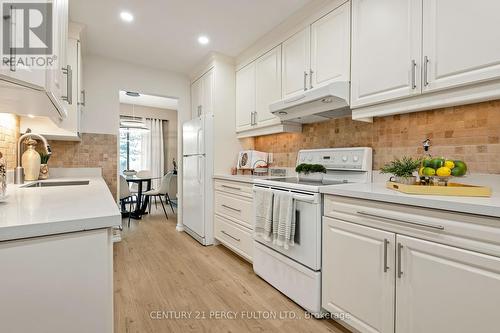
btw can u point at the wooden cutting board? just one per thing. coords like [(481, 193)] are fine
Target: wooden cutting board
[(452, 189)]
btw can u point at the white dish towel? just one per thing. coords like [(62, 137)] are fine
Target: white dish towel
[(283, 219), (263, 201)]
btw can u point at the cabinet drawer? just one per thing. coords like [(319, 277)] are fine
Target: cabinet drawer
[(234, 236), (237, 207), (237, 188), (472, 232)]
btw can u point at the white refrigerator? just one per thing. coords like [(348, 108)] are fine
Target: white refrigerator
[(197, 203)]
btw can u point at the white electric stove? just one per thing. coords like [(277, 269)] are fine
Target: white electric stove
[(296, 272)]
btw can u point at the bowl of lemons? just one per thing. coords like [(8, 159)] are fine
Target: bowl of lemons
[(442, 169)]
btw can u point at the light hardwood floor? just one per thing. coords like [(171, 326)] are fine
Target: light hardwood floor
[(159, 269)]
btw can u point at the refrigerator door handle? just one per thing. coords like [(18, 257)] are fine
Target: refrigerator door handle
[(198, 166)]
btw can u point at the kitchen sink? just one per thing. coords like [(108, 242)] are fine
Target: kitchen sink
[(52, 184)]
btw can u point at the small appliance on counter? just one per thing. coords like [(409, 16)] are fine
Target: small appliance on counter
[(252, 160)]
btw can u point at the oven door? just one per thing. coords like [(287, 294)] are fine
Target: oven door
[(307, 248)]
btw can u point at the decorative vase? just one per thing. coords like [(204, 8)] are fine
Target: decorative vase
[(404, 180), (44, 171), (31, 161), (313, 176)]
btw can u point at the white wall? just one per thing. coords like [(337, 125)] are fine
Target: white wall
[(103, 78)]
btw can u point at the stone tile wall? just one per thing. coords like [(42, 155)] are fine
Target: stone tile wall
[(470, 133), (94, 151)]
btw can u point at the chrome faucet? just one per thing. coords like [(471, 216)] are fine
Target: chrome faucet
[(19, 174)]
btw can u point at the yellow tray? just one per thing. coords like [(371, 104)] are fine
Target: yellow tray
[(453, 189)]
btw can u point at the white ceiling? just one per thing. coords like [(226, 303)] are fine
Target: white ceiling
[(164, 32), (149, 100)]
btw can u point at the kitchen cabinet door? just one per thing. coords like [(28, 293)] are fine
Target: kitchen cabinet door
[(20, 69), (196, 98), (331, 47), (59, 76), (386, 50), (446, 289), (296, 63), (460, 42), (268, 85), (208, 92), (358, 275), (245, 97)]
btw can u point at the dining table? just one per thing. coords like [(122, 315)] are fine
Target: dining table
[(141, 205)]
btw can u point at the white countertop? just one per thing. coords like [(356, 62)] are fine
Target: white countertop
[(41, 211), (378, 192)]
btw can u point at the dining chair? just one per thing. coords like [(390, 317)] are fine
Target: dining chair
[(160, 192), (126, 196)]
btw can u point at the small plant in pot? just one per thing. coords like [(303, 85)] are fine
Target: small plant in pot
[(311, 171), (44, 168), (403, 170)]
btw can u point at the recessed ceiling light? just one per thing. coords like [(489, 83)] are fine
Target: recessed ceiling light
[(31, 116), (126, 16), (203, 40)]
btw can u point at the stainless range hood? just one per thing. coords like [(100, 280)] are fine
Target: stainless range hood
[(315, 105)]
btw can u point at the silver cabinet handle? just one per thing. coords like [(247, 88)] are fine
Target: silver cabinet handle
[(305, 81), (69, 84), (232, 187), (199, 110), (413, 74), (84, 97), (400, 270), (231, 208), (426, 65), (386, 244), (420, 224), (225, 233), (311, 79)]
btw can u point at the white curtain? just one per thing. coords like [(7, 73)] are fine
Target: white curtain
[(153, 150)]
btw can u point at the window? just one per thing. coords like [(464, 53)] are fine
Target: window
[(131, 150)]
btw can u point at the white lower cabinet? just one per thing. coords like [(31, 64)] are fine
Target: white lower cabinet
[(233, 220), (446, 289), (385, 267), (358, 275)]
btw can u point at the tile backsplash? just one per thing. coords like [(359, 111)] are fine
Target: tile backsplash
[(95, 150), (469, 132), (9, 133)]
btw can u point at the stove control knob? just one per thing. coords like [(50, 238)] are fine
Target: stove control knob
[(344, 158), (355, 158)]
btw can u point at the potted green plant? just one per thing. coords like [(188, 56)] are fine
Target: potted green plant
[(311, 171), (44, 168), (403, 170)]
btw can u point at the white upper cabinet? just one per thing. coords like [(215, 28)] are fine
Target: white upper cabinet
[(268, 85), (386, 46), (460, 42), (245, 97), (331, 48), (358, 275), (439, 286), (296, 63), (208, 92), (196, 98), (202, 95)]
